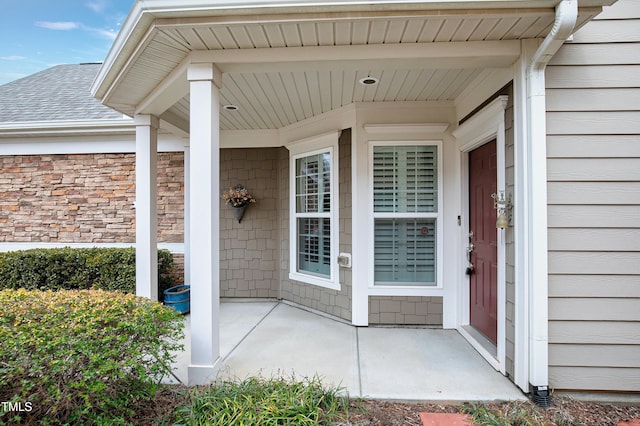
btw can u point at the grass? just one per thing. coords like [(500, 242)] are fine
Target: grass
[(260, 401), (509, 414)]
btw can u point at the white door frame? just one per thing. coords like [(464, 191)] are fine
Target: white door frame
[(484, 126)]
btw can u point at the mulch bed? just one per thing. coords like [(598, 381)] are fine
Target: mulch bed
[(563, 412), (372, 412)]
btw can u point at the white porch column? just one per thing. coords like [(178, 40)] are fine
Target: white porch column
[(359, 203), (146, 206), (204, 221), (187, 212)]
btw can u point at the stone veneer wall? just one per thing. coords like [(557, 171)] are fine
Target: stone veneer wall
[(84, 198), (249, 250), (177, 272), (171, 197), (337, 303)]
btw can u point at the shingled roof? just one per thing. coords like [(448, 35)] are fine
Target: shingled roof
[(62, 92)]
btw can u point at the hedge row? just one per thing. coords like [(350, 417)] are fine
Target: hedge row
[(76, 269), (85, 357)]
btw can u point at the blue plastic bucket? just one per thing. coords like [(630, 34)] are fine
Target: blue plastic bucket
[(179, 298)]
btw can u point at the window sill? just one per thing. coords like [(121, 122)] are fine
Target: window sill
[(379, 290), (310, 279)]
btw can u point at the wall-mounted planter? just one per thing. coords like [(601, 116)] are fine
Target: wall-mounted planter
[(238, 212), (179, 298), (238, 199)]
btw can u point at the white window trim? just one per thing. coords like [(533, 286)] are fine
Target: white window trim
[(407, 290), (327, 142)]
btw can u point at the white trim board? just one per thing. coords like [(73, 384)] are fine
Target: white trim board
[(175, 248), (66, 127), (98, 144)]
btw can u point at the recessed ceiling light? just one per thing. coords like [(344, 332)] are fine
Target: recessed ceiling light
[(231, 107), (369, 81)]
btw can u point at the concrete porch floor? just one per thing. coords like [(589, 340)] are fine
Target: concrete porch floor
[(271, 338)]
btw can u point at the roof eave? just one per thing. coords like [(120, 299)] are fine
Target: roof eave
[(122, 46), (143, 13)]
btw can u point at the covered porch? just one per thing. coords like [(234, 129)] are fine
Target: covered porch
[(335, 87), (273, 338)]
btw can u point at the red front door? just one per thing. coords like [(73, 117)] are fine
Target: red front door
[(484, 256)]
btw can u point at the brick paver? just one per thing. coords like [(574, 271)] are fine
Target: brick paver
[(445, 419), (632, 422)]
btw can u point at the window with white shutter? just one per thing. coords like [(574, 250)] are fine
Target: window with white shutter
[(314, 211), (405, 214)]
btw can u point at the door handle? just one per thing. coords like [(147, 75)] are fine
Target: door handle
[(470, 247)]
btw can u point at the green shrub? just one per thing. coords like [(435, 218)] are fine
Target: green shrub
[(165, 265), (69, 268), (82, 356), (258, 401)]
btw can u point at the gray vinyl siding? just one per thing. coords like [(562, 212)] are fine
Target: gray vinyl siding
[(510, 292), (249, 249), (593, 149)]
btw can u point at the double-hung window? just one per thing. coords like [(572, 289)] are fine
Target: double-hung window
[(313, 213), (406, 214)]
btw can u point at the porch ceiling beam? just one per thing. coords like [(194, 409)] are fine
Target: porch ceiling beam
[(433, 55), (372, 64), (173, 88), (175, 124)]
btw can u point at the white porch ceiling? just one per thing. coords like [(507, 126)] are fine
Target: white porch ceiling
[(283, 69)]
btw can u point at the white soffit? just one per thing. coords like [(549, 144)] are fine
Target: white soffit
[(283, 68)]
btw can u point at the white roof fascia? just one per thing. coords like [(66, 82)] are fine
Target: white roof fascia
[(158, 7), (66, 127), (126, 39)]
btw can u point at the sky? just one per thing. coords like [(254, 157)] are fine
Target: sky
[(38, 34)]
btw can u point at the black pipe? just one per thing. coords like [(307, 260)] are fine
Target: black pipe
[(540, 396)]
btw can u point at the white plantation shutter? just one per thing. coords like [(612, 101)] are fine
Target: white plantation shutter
[(405, 204), (314, 245), (313, 211), (405, 251), (405, 179), (384, 180), (422, 180)]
